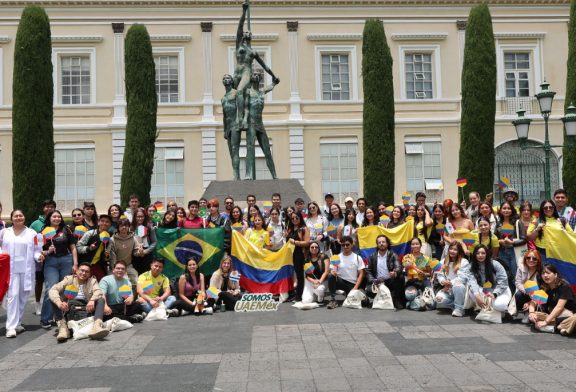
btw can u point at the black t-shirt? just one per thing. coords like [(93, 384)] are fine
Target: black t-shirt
[(563, 291), (61, 241)]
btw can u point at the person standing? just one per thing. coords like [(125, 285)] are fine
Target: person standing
[(564, 210), (47, 207)]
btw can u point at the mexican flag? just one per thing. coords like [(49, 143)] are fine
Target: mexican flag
[(177, 246)]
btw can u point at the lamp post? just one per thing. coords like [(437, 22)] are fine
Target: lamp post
[(522, 125)]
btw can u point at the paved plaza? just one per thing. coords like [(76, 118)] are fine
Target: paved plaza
[(294, 350)]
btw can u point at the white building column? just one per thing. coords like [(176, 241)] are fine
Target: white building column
[(118, 144), (208, 156), (295, 100), (208, 100), (297, 153), (120, 96), (461, 26)]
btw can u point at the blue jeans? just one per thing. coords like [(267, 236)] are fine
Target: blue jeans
[(453, 298), (55, 269), (168, 302), (509, 257)]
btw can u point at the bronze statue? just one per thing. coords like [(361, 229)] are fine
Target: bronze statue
[(231, 130)]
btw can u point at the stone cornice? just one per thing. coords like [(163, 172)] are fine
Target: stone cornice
[(255, 37), (516, 35), (171, 38), (334, 36), (76, 38), (420, 37)]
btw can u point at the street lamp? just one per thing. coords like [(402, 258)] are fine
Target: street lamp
[(522, 125)]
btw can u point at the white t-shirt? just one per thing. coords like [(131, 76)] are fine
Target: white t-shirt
[(349, 267)]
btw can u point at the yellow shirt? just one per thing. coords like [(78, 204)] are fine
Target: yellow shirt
[(550, 222), (159, 282), (260, 238), (420, 232), (491, 242)]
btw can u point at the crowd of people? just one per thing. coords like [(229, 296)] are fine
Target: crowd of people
[(462, 256)]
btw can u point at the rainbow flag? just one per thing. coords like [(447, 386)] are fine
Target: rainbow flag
[(80, 230), (267, 206), (530, 286), (440, 228), (388, 210), (384, 220), (147, 286), (399, 236), (487, 287), (159, 206), (212, 292), (561, 251), (503, 182), (263, 271), (235, 277), (540, 297), (308, 268), (507, 230), (435, 265), (335, 261), (104, 237), (332, 230), (71, 291), (125, 291), (461, 182), (49, 233)]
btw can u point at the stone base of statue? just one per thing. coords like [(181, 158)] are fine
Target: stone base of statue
[(290, 190)]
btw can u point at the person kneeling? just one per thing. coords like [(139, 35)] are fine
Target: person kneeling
[(384, 267), (150, 284), (119, 296), (88, 297), (348, 275)]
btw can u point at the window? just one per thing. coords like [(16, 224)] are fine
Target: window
[(75, 175), (167, 78), (423, 165), (74, 76), (262, 172), (418, 72), (335, 77), (168, 173), (517, 74), (265, 53), (339, 165)]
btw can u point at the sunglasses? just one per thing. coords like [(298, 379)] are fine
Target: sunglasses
[(77, 215)]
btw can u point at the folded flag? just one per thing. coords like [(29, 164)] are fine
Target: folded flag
[(461, 182), (104, 237), (80, 230), (71, 291), (267, 206), (561, 252), (125, 291), (440, 228), (308, 268), (384, 219), (435, 265), (235, 277), (49, 233), (141, 231), (507, 230), (530, 286), (503, 182), (400, 237), (332, 230), (147, 287), (487, 287), (305, 213), (237, 226), (335, 261), (388, 210), (212, 292), (540, 297)]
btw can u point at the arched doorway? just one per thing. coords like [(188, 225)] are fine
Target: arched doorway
[(525, 169)]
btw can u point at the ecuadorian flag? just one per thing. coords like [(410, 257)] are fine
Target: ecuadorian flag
[(561, 251), (177, 246), (263, 271), (399, 236)]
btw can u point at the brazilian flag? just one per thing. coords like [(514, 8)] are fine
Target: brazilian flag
[(177, 246)]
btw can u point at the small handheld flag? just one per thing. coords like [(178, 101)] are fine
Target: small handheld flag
[(507, 230), (237, 226), (159, 206), (104, 237), (125, 291), (156, 217), (235, 277), (71, 291), (487, 287), (469, 239), (212, 292), (388, 210), (435, 265), (406, 198), (503, 182), (461, 182), (202, 212), (147, 287), (332, 231), (80, 230), (335, 261), (530, 286), (141, 231), (384, 219), (267, 206), (540, 297), (440, 229), (308, 268), (49, 233)]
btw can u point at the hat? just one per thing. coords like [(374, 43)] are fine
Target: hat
[(511, 190), (348, 199), (326, 196)]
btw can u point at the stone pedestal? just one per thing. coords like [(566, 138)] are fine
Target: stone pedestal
[(290, 190)]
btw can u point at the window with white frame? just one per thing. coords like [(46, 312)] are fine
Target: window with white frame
[(168, 173), (169, 65), (74, 79), (339, 167), (423, 164), (265, 53), (75, 174), (420, 74), (262, 172), (336, 73), (517, 74)]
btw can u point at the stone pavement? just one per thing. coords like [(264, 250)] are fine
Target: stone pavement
[(294, 350)]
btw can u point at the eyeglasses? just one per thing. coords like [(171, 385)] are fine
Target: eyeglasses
[(347, 245)]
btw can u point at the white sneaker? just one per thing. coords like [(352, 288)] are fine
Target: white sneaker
[(525, 319), (547, 329), (184, 312), (20, 329), (457, 313), (38, 308), (11, 333), (208, 310)]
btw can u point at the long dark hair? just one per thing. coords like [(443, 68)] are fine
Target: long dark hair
[(291, 228), (374, 219), (489, 270), (232, 220), (346, 213), (145, 223), (196, 274), (331, 217), (424, 230), (513, 218), (61, 226), (542, 216), (169, 225), (484, 219), (559, 280)]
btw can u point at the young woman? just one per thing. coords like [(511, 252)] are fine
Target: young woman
[(418, 271), (397, 218), (317, 224), (485, 211), (381, 208), (335, 219), (370, 218), (299, 235), (124, 245), (508, 220), (410, 211), (486, 238), (236, 220), (215, 218), (114, 211), (190, 283), (257, 234), (423, 228), (169, 220), (90, 215), (560, 303), (529, 269), (348, 227), (252, 212), (229, 289), (452, 280), (315, 283), (150, 211), (77, 219), (172, 206), (548, 217), (458, 225), (525, 220), (483, 269), (180, 215), (61, 259), (436, 237), (21, 244), (144, 229), (288, 211), (276, 230)]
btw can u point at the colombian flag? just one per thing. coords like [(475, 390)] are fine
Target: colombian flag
[(399, 236), (263, 271), (503, 182), (561, 251), (177, 246)]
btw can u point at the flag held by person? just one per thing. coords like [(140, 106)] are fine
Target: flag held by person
[(561, 251), (399, 236)]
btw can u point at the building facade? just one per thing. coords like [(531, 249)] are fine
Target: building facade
[(313, 117)]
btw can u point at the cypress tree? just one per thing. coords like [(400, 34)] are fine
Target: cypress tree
[(378, 116), (478, 103), (32, 114), (569, 153), (142, 103)]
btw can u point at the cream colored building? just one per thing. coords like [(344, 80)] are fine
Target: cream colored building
[(313, 117)]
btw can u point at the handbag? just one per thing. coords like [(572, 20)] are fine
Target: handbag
[(428, 296), (469, 302), (488, 314), (520, 250), (354, 299), (158, 313), (512, 311), (383, 298)]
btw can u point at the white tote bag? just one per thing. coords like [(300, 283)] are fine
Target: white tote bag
[(383, 299), (354, 299), (158, 313), (519, 251), (488, 314)]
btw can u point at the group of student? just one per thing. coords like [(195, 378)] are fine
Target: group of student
[(477, 244)]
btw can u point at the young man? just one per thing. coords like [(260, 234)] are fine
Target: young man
[(361, 205), (89, 297), (328, 201), (134, 204), (348, 275), (250, 201), (384, 267), (472, 210), (117, 305), (123, 246), (91, 249), (47, 207), (299, 205), (228, 205), (564, 210), (160, 291), (193, 221), (349, 203)]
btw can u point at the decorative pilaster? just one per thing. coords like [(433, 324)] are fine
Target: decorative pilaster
[(119, 97), (118, 144), (295, 100), (296, 135), (208, 100), (461, 26), (208, 156)]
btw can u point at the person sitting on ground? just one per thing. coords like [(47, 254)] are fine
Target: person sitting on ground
[(159, 292), (348, 275), (89, 296), (560, 304), (453, 291), (229, 288), (384, 267), (118, 304), (418, 272), (315, 283), (191, 287), (124, 245), (530, 268)]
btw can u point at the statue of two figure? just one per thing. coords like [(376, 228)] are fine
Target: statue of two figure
[(243, 104)]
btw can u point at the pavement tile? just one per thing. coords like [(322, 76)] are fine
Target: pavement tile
[(531, 377), (353, 362), (174, 359), (259, 386), (557, 354), (331, 372), (516, 366), (150, 360), (477, 388), (230, 387), (499, 339), (208, 358), (292, 355), (257, 375), (295, 374), (320, 355), (332, 384), (231, 376), (501, 378)]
